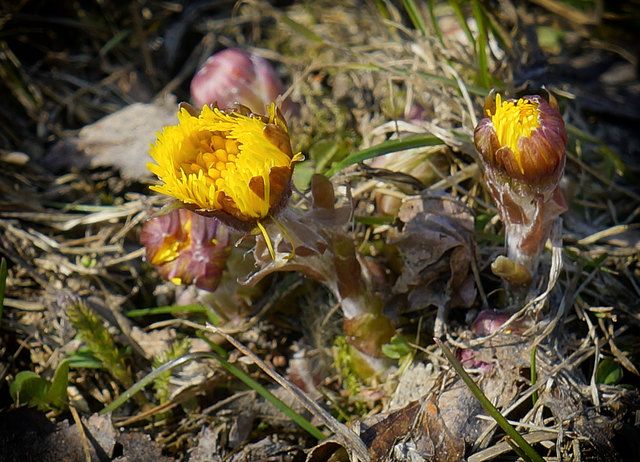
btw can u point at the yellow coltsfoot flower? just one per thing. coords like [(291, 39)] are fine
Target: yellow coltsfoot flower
[(522, 148), (525, 138), (234, 165)]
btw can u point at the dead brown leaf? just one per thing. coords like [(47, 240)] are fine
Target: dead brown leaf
[(119, 140), (437, 249)]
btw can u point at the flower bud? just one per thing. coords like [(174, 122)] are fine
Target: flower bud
[(522, 145), (234, 76), (187, 248), (525, 139), (467, 358), (489, 321)]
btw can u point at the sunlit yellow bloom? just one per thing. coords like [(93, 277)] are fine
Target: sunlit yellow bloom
[(235, 165), (522, 149), (525, 138)]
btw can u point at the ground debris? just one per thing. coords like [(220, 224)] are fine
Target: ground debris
[(77, 83), (437, 248), (416, 432), (26, 434)]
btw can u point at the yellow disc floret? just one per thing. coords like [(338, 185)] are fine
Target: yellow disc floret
[(513, 120)]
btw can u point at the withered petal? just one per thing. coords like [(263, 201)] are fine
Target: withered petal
[(256, 184), (280, 180), (278, 137)]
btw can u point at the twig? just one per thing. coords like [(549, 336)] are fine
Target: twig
[(83, 436)]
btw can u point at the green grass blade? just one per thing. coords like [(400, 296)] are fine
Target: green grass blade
[(434, 23), (382, 9), (462, 20), (3, 285), (373, 221), (415, 16), (481, 44), (300, 29), (169, 365), (80, 360), (517, 449), (606, 150), (386, 147), (212, 317), (266, 394), (527, 449), (115, 40), (534, 375), (147, 379)]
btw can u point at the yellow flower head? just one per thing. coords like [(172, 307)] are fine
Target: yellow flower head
[(235, 165), (522, 149), (525, 138)]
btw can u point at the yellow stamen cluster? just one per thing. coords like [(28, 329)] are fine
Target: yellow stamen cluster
[(513, 120), (217, 155)]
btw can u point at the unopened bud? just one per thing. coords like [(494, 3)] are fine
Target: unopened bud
[(234, 76)]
